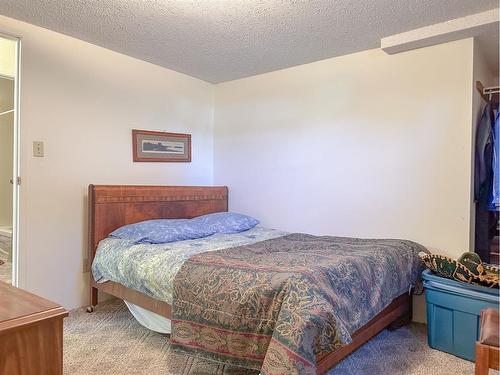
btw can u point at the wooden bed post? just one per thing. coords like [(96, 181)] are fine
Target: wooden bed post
[(93, 297), (93, 292)]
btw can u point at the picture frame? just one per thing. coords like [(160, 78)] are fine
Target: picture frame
[(156, 146)]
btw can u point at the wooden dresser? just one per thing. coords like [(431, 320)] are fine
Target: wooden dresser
[(30, 333)]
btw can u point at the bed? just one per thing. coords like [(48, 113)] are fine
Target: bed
[(111, 207)]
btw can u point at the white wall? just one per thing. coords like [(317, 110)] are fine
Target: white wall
[(83, 101), (364, 145)]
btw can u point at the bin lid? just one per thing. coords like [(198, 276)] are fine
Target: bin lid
[(433, 281)]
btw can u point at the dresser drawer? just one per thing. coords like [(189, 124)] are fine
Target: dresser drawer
[(31, 333)]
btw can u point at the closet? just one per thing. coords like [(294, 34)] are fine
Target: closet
[(487, 176)]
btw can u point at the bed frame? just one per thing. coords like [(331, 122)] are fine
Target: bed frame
[(112, 206)]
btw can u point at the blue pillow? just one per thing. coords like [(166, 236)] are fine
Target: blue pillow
[(162, 231), (226, 222)]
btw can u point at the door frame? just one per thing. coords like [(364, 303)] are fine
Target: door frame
[(16, 165)]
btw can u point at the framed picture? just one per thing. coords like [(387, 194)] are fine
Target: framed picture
[(161, 147)]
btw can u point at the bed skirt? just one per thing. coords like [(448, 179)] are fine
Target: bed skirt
[(149, 319)]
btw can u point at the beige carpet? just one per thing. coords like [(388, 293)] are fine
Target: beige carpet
[(5, 264), (110, 341)]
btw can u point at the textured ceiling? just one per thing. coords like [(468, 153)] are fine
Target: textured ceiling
[(221, 40)]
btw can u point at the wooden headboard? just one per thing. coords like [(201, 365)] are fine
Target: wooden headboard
[(112, 206)]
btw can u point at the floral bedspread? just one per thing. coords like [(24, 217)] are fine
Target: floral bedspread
[(277, 304), (151, 268)]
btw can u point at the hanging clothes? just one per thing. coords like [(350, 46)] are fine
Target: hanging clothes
[(483, 171), (494, 201), (483, 184)]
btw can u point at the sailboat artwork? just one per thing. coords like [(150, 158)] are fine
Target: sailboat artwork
[(163, 147), (155, 146)]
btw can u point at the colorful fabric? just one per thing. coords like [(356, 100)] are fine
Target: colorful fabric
[(151, 268), (276, 305), (468, 268)]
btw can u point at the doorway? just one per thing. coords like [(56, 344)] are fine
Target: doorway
[(9, 160)]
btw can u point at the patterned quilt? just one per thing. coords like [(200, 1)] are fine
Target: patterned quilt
[(151, 268), (277, 304)]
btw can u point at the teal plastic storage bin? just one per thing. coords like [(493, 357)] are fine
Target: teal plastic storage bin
[(453, 310)]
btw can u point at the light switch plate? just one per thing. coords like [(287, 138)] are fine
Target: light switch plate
[(38, 149)]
